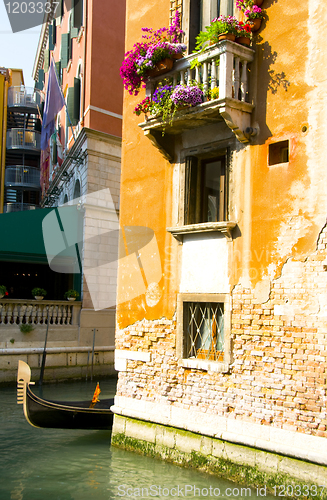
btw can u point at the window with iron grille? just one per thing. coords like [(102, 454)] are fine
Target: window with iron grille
[(204, 330)]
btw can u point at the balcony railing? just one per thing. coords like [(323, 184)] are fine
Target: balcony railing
[(22, 176), (24, 97), (35, 312), (224, 65), (20, 138), (19, 207)]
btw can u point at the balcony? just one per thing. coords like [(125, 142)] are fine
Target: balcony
[(20, 138), (24, 97), (20, 175), (19, 207), (224, 65), (36, 312)]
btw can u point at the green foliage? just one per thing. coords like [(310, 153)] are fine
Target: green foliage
[(3, 289), (26, 328), (12, 341), (39, 292), (71, 294)]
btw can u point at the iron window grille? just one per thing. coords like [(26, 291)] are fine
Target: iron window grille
[(204, 330)]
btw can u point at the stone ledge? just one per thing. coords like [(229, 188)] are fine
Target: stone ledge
[(266, 438), (245, 465)]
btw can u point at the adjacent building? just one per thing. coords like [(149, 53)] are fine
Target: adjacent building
[(80, 174), (20, 143), (224, 352)]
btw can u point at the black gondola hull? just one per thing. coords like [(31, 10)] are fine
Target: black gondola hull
[(65, 415)]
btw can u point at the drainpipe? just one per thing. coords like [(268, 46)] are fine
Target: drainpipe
[(84, 64), (3, 155)]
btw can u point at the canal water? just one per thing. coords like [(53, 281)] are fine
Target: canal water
[(54, 464)]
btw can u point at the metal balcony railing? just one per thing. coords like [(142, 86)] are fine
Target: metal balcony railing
[(20, 138), (24, 97), (20, 175), (19, 207)]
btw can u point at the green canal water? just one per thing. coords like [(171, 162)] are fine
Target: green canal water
[(51, 464)]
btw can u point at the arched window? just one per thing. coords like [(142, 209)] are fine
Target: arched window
[(77, 189)]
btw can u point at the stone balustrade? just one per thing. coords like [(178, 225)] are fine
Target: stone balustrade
[(224, 65), (36, 312)]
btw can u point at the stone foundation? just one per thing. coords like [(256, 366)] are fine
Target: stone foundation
[(245, 465)]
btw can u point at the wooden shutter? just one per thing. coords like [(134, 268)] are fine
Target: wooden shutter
[(65, 49), (58, 70), (40, 83), (77, 99), (76, 17), (73, 102), (46, 60), (191, 175), (51, 46)]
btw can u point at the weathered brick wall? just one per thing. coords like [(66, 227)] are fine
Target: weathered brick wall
[(279, 350)]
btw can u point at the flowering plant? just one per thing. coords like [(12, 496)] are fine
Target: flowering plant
[(156, 45), (167, 99), (143, 107), (255, 13), (187, 95), (244, 29), (3, 290), (244, 4)]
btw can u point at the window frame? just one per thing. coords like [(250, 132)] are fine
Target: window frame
[(195, 171), (197, 363)]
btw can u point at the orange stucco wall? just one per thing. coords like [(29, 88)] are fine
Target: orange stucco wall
[(280, 209)]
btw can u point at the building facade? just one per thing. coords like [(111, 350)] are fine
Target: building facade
[(22, 127), (80, 170), (222, 358)]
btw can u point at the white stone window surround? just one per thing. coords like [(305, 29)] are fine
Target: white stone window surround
[(201, 364), (203, 152)]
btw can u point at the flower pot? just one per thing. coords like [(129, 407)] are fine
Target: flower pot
[(38, 297), (161, 67), (177, 56), (258, 3), (243, 40), (226, 36), (71, 298), (255, 23)]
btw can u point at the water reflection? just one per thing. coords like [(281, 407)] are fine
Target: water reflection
[(54, 464)]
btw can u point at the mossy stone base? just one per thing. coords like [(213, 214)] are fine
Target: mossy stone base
[(244, 465)]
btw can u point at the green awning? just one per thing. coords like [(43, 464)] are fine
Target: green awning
[(21, 233)]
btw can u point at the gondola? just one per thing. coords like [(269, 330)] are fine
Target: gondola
[(60, 414)]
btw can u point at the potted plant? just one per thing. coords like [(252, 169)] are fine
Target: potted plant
[(39, 293), (71, 295), (221, 28), (3, 291), (243, 5), (26, 328), (244, 33), (254, 17), (153, 56)]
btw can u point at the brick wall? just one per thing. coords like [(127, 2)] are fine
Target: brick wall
[(278, 375)]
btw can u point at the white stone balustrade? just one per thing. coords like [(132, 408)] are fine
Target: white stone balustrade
[(223, 65), (35, 312)]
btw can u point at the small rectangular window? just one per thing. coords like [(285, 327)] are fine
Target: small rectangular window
[(204, 330), (278, 152)]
